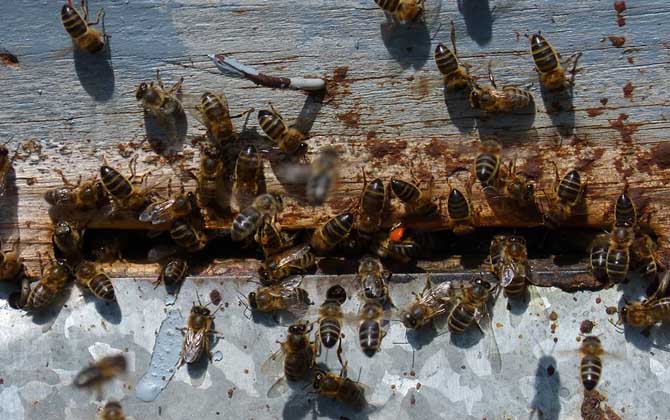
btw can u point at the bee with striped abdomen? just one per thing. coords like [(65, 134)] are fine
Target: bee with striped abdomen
[(79, 28), (591, 366), (124, 194), (491, 99), (645, 314), (373, 279), (339, 388), (11, 264), (396, 244), (296, 260), (188, 236), (645, 255), (518, 189), (161, 103), (213, 110), (370, 331), (332, 232), (455, 73), (68, 240), (330, 317), (370, 208), (598, 257), (248, 171), (418, 203), (80, 196), (486, 167), (5, 168), (402, 10), (289, 140), (618, 253), (271, 238), (198, 331), (432, 303), (625, 211), (568, 194), (95, 280), (247, 222), (284, 296), (294, 359), (51, 282), (173, 272), (512, 268), (207, 180), (167, 211), (460, 211), (548, 64)]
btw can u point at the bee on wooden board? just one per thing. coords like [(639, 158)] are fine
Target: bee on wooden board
[(11, 264), (511, 267), (293, 360), (370, 208), (296, 260), (50, 284), (101, 371), (618, 253), (94, 279), (173, 272), (568, 194), (494, 100), (124, 194), (460, 211), (370, 329), (199, 328), (418, 203), (456, 76), (188, 236), (598, 257), (112, 411), (271, 238), (248, 171), (403, 10), (645, 255), (80, 196), (284, 296), (322, 176), (487, 168), (163, 105), (79, 28), (373, 279), (213, 112), (207, 180), (68, 240), (339, 388), (247, 222), (167, 211), (329, 332), (289, 140), (548, 64), (396, 244), (625, 210), (334, 231), (518, 188)]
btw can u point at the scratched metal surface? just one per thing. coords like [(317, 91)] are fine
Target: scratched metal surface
[(450, 377)]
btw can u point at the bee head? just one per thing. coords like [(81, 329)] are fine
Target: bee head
[(141, 91), (252, 300)]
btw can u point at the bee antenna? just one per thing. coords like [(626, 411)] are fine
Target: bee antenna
[(197, 296)]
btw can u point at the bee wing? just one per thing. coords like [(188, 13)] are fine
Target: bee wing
[(158, 213), (194, 344), (292, 255), (508, 271), (273, 366), (278, 388), (287, 286), (191, 103), (492, 350)]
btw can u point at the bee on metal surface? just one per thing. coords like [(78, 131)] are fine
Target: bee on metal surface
[(5, 168), (548, 64), (339, 388), (173, 272), (51, 283), (101, 371), (322, 176), (331, 316), (492, 99), (211, 170), (370, 331), (112, 411), (95, 280), (460, 212), (247, 222), (487, 168), (373, 279), (645, 314), (598, 259), (295, 357), (396, 245), (402, 10), (248, 170), (81, 196), (370, 208), (197, 334), (68, 240), (160, 103), (296, 260), (419, 203), (79, 28), (332, 232), (455, 74), (284, 296), (625, 211), (618, 253), (124, 194), (11, 264), (288, 139), (645, 255), (513, 269), (591, 366), (568, 194), (433, 302), (271, 238), (181, 205), (187, 236)]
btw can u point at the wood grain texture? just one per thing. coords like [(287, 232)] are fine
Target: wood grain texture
[(387, 114)]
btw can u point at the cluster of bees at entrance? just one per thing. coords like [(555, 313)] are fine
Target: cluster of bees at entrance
[(287, 257)]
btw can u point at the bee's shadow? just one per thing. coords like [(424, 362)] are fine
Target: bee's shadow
[(95, 73), (561, 111), (478, 18), (166, 140), (407, 43)]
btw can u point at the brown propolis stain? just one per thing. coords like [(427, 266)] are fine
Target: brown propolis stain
[(628, 90), (617, 41), (382, 148)]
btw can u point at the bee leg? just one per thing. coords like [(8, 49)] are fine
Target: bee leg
[(491, 77), (573, 71), (248, 111), (274, 111), (98, 17), (176, 88), (84, 9), (453, 37)]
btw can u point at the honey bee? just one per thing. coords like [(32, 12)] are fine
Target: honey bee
[(548, 64), (618, 253), (80, 196), (419, 203), (287, 295), (625, 211), (211, 170), (124, 194), (160, 103), (295, 357), (645, 314), (288, 139), (330, 316), (187, 236), (568, 193), (460, 212), (101, 371), (67, 239), (370, 331), (491, 99), (598, 260), (5, 168), (396, 245), (518, 188), (373, 279), (591, 366), (248, 170), (247, 221), (95, 280), (213, 110), (433, 302), (487, 166), (322, 176), (182, 205), (79, 28), (200, 326), (455, 74), (51, 283), (332, 232), (11, 264), (370, 208), (512, 268), (644, 253), (402, 10), (271, 239), (112, 411), (173, 272), (296, 260)]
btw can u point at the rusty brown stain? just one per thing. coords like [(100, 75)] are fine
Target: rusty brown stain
[(619, 6), (8, 59), (533, 167), (604, 101), (371, 135), (620, 20), (631, 60), (435, 148), (625, 129), (337, 85), (352, 117), (594, 112), (420, 87), (628, 90), (617, 41), (661, 155), (381, 148)]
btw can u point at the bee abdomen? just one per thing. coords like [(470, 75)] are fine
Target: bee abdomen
[(369, 335), (73, 22), (183, 234), (517, 288), (591, 368), (388, 5), (458, 207), (245, 223), (544, 55), (598, 262), (102, 287), (486, 168), (624, 211), (329, 331), (117, 185), (297, 364), (446, 60), (175, 271), (617, 264), (272, 125), (337, 228), (405, 249), (460, 319), (214, 109), (372, 201), (570, 187), (405, 191), (40, 296)]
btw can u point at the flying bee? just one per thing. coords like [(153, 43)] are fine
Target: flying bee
[(173, 272), (339, 387), (51, 283), (68, 240), (95, 280), (331, 316), (271, 238), (598, 257), (247, 221), (370, 208), (182, 205), (284, 296), (455, 74), (373, 279), (433, 302), (487, 168), (370, 331), (101, 371), (296, 260), (513, 269), (79, 28), (332, 232), (288, 139), (492, 99), (460, 212), (81, 196), (199, 328), (295, 357), (625, 211), (211, 170), (618, 253), (645, 254), (322, 176), (112, 411), (124, 194), (419, 203), (568, 193), (5, 168), (11, 264), (396, 245), (160, 103), (591, 366), (402, 10), (548, 64), (188, 236), (248, 170)]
